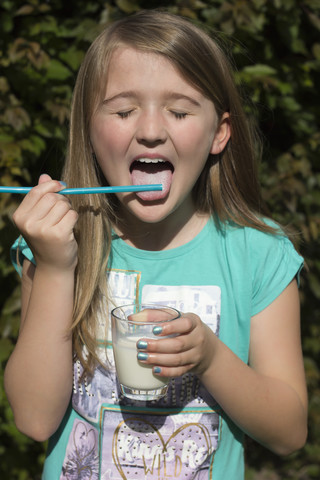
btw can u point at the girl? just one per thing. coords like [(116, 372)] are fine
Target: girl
[(155, 102)]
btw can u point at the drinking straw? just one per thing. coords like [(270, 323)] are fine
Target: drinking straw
[(78, 191)]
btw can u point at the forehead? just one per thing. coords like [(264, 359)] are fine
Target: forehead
[(137, 69), (125, 58)]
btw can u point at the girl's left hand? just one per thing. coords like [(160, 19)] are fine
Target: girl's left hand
[(192, 348)]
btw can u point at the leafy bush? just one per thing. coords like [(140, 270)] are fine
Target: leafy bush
[(276, 47)]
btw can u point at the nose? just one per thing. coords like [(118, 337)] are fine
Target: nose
[(151, 129)]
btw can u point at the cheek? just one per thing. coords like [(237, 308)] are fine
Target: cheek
[(106, 138), (109, 147), (197, 140)]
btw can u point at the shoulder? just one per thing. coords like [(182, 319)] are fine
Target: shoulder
[(272, 249), (264, 261), (273, 263), (259, 242)]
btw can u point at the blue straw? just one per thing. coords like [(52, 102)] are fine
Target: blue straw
[(76, 191)]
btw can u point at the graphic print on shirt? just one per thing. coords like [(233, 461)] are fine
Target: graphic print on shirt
[(157, 448), (81, 460), (169, 439)]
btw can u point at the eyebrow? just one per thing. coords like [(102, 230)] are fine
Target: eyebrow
[(168, 96)]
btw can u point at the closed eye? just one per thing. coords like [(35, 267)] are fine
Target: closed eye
[(125, 114), (179, 115)]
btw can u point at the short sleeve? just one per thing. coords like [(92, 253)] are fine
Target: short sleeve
[(18, 252), (275, 263)]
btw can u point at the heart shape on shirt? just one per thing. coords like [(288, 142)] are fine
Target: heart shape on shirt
[(81, 460), (84, 439), (139, 450)]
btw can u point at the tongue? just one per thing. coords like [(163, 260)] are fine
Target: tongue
[(150, 173)]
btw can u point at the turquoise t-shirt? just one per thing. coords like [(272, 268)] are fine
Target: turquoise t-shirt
[(225, 276)]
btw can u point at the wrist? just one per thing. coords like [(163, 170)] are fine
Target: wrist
[(206, 367), (55, 271)]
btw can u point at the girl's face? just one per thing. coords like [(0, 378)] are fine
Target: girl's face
[(154, 127)]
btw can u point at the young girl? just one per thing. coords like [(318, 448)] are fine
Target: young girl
[(155, 102)]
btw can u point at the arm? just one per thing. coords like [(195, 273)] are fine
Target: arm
[(267, 399), (38, 375), (271, 392)]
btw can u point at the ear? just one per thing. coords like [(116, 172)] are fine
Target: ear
[(222, 135)]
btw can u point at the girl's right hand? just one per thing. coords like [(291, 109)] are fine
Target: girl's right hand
[(46, 220)]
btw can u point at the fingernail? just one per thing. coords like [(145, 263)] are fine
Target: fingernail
[(157, 370), (63, 183), (142, 344), (142, 356), (157, 330)]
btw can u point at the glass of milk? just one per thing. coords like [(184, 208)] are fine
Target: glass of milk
[(131, 323)]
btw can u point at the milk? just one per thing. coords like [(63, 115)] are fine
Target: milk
[(130, 371)]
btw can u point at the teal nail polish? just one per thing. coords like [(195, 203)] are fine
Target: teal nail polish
[(63, 183), (157, 330), (157, 370), (142, 344), (142, 356)]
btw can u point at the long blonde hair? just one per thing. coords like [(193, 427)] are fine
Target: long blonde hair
[(227, 188)]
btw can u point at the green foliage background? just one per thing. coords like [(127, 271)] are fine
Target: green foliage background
[(276, 46)]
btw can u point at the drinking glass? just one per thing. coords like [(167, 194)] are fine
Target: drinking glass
[(131, 323)]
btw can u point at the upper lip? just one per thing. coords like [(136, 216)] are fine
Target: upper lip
[(152, 157)]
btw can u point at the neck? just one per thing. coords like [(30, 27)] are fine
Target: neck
[(163, 235)]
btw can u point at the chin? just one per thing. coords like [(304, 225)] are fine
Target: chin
[(151, 214)]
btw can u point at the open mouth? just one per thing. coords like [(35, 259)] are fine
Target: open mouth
[(145, 171)]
